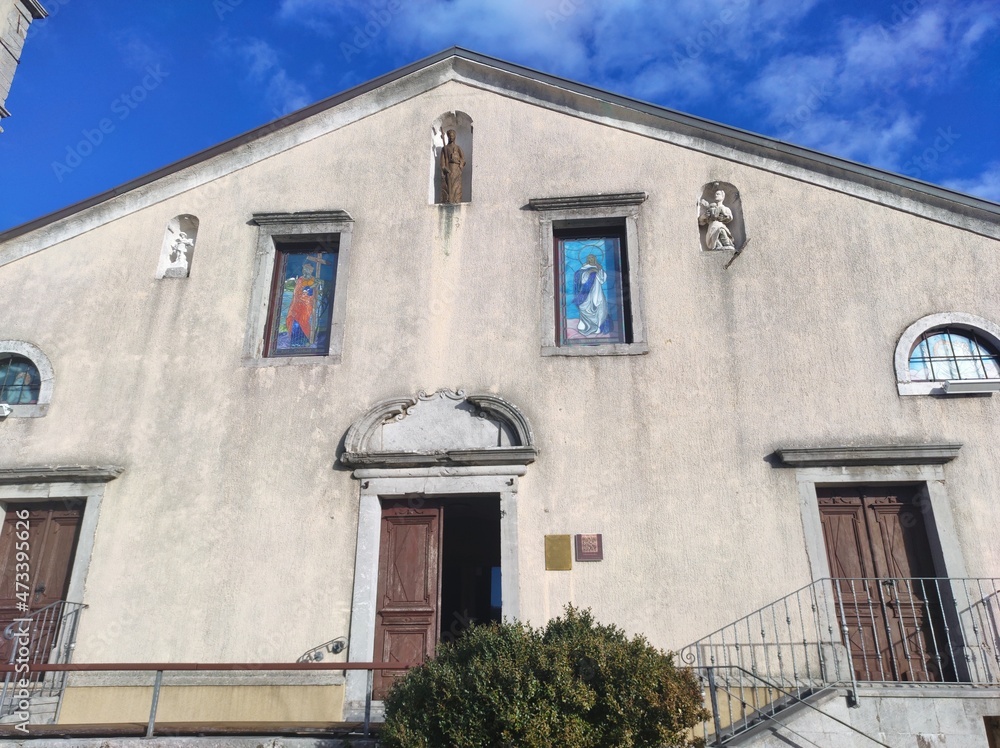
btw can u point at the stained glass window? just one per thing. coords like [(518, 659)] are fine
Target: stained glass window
[(305, 274), (947, 353), (19, 381), (592, 283)]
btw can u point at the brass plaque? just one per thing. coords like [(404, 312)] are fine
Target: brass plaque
[(558, 553)]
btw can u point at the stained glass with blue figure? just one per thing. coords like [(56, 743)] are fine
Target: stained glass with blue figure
[(303, 303), (19, 381), (591, 299)]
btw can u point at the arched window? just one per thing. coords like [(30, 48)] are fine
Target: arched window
[(20, 382), (948, 353), (25, 380)]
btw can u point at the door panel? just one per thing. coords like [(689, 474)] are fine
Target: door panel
[(846, 534), (876, 535), (53, 531), (407, 619)]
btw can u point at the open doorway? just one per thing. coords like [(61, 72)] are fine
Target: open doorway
[(439, 572), (470, 565)]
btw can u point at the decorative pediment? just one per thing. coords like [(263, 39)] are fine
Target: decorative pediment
[(442, 428)]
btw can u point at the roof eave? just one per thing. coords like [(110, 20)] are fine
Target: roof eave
[(704, 128)]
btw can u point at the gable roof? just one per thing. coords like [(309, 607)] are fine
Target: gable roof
[(578, 99)]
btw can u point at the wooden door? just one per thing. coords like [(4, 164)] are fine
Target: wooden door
[(407, 620), (879, 554), (53, 530)]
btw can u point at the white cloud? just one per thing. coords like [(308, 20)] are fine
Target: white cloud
[(138, 51), (282, 93), (577, 38), (849, 98), (873, 136), (985, 185)]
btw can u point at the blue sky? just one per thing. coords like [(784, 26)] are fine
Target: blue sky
[(110, 90)]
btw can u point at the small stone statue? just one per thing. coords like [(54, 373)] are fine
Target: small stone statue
[(715, 215), (178, 255), (452, 164)]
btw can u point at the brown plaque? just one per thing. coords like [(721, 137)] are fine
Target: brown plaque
[(589, 547), (558, 553)]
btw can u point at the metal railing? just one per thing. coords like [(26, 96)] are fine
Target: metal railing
[(44, 637), (159, 668), (841, 632), (744, 715)]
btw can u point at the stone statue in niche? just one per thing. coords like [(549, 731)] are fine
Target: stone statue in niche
[(177, 256), (452, 165), (177, 250), (720, 218), (715, 215)]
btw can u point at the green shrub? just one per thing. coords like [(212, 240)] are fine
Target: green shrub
[(573, 684)]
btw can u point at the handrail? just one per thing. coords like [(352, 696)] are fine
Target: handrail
[(8, 632), (843, 632), (41, 637), (789, 694), (161, 667), (210, 666)]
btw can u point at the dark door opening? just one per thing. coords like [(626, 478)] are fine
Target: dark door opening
[(470, 565)]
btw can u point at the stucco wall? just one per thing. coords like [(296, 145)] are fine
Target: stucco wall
[(279, 704), (231, 535)]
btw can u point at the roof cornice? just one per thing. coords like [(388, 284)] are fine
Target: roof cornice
[(36, 9), (893, 190)]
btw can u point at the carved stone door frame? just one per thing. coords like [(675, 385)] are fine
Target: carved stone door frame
[(430, 447)]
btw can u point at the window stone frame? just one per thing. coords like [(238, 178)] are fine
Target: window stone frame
[(39, 484), (582, 211), (918, 465), (45, 373), (272, 228), (987, 330)]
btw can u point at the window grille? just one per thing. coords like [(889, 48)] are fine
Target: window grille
[(949, 353), (20, 382)]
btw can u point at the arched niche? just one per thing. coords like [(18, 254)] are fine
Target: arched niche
[(461, 123), (177, 251), (442, 428), (713, 222)]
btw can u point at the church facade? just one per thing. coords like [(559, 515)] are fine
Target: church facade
[(472, 342)]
